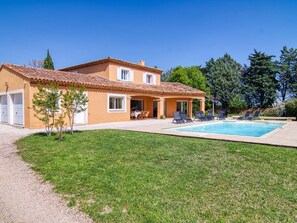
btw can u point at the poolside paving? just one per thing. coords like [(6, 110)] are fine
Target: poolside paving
[(284, 136)]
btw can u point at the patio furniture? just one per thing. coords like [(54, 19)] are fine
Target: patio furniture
[(210, 115), (245, 116), (255, 116), (200, 116), (135, 114), (177, 118), (221, 115), (185, 118), (145, 114)]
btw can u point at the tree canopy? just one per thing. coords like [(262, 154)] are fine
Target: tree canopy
[(287, 73), (259, 80), (223, 79), (190, 76)]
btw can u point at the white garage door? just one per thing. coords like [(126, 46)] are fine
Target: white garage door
[(80, 118), (18, 109), (3, 109)]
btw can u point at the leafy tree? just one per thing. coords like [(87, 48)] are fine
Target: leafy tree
[(190, 76), (238, 103), (287, 71), (259, 80), (46, 106), (223, 79), (74, 101), (48, 62)]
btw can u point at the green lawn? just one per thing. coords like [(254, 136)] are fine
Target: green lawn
[(122, 176)]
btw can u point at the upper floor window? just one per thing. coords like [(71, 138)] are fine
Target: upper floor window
[(149, 78), (124, 74)]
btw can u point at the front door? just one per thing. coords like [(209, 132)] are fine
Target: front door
[(155, 109)]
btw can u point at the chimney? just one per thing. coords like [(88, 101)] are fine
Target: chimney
[(142, 63)]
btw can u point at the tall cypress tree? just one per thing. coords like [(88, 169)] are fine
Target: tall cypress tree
[(48, 62), (259, 80)]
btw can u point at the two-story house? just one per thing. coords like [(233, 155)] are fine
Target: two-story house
[(115, 89)]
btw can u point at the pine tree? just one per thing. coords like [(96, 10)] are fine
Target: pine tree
[(48, 62), (287, 73), (259, 80), (223, 79)]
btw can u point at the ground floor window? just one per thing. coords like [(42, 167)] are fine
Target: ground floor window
[(136, 105), (116, 102), (182, 106)]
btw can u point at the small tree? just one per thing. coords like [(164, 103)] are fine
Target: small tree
[(46, 105), (74, 102), (48, 62), (60, 125)]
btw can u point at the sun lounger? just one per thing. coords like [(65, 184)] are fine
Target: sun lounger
[(177, 118), (185, 118)]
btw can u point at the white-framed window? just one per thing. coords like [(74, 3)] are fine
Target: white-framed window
[(125, 74), (116, 103), (149, 78)]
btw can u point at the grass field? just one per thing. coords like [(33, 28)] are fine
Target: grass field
[(122, 176)]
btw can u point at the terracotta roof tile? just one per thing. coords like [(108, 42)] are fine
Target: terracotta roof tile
[(37, 75)]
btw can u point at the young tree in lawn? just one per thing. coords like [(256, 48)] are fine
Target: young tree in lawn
[(259, 80), (48, 62), (287, 73), (46, 105), (74, 102), (223, 79)]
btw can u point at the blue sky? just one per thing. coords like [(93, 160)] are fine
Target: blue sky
[(163, 33)]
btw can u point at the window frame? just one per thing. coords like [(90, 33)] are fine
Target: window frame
[(124, 102), (153, 78), (127, 74)]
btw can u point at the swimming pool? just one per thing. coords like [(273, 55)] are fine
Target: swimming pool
[(255, 129)]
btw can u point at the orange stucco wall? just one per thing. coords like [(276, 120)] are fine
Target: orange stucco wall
[(97, 106), (15, 82), (109, 71), (138, 74), (171, 105), (101, 70)]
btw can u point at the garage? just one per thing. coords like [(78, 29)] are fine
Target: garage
[(18, 109), (3, 109)]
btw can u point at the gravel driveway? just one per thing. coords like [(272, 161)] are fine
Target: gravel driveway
[(24, 198)]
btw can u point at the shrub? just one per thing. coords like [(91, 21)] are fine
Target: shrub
[(291, 108)]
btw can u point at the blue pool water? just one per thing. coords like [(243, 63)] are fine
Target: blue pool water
[(255, 129)]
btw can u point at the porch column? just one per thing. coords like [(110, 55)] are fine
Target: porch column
[(160, 108), (128, 107), (190, 109), (202, 105)]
